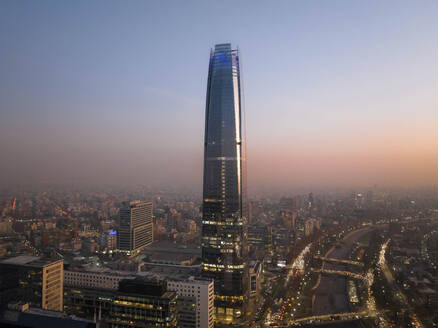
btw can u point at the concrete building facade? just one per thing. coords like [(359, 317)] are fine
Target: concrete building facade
[(32, 279)]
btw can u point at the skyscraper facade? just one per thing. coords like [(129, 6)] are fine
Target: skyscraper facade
[(135, 226), (224, 212)]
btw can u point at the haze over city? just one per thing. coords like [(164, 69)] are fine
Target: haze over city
[(336, 93), (218, 164)]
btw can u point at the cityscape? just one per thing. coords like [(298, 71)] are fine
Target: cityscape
[(218, 193)]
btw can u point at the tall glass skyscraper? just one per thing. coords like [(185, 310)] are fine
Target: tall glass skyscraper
[(224, 213)]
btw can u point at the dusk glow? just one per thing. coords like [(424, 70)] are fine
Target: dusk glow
[(336, 93)]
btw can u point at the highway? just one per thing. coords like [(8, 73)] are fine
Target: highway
[(389, 277)]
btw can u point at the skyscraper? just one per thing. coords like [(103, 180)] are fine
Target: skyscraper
[(224, 213), (135, 226)]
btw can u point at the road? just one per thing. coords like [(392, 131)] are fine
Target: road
[(396, 289)]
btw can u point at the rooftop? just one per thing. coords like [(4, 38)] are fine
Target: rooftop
[(174, 273), (20, 260), (35, 317), (29, 261)]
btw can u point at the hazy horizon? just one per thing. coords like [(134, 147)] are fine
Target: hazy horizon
[(337, 94)]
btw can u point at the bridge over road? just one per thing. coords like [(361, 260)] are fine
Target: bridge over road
[(327, 319), (331, 259), (342, 273)]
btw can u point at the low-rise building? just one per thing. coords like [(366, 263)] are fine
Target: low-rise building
[(186, 287), (21, 315), (136, 303)]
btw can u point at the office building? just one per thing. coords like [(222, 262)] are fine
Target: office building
[(260, 237), (111, 240), (136, 303), (34, 280), (203, 292), (200, 309), (186, 312), (135, 226), (282, 242), (224, 212)]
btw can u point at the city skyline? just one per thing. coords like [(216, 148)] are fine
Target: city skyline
[(339, 95), (131, 197)]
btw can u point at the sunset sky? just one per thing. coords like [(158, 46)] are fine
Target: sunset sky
[(337, 93)]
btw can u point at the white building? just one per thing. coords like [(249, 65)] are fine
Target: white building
[(90, 279), (203, 292)]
